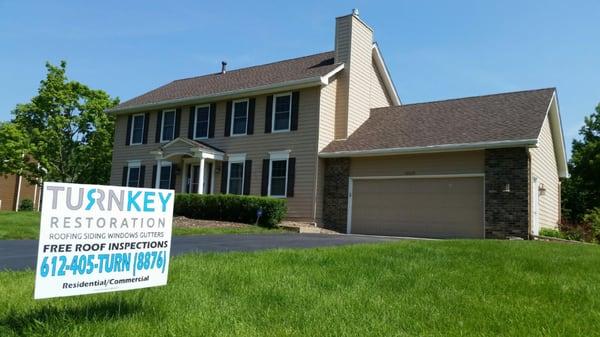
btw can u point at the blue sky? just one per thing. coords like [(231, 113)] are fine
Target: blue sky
[(434, 50)]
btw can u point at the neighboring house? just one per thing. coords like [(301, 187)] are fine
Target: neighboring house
[(329, 133), (14, 189)]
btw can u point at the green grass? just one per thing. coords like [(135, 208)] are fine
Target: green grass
[(25, 225), (406, 288)]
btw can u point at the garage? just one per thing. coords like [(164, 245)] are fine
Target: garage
[(442, 206)]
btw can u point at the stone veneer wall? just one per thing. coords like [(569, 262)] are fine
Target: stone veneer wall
[(506, 213), (335, 200)]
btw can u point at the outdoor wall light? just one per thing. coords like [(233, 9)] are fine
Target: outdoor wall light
[(542, 189), (506, 188)]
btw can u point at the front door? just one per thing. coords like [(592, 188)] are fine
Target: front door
[(208, 168), (193, 180), (194, 172)]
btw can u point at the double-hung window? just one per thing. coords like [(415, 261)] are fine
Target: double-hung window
[(278, 173), (201, 122), (239, 120), (165, 176), (137, 129), (282, 109), (168, 126), (236, 170), (133, 175)]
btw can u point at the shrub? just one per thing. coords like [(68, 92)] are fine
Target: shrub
[(592, 219), (26, 205), (553, 233), (228, 207)]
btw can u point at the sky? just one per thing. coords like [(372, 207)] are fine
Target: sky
[(433, 49)]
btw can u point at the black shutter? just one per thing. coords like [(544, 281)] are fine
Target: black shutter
[(153, 182), (158, 126), (142, 176), (269, 114), (177, 122), (128, 139), (146, 124), (251, 105), (247, 176), (124, 178), (191, 122), (264, 187), (295, 102), (291, 176), (211, 124), (173, 176), (224, 167), (228, 119)]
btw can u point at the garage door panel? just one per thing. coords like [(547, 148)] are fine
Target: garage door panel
[(428, 207)]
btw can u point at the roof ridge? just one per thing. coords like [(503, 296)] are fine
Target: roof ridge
[(255, 66), (468, 97)]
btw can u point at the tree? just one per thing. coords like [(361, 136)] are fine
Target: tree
[(581, 192), (14, 146), (67, 135)]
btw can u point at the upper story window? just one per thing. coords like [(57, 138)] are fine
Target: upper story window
[(239, 120), (282, 109), (167, 132), (201, 121), (137, 129)]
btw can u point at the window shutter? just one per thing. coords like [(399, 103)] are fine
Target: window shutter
[(177, 122), (153, 182), (173, 176), (295, 102), (247, 176), (224, 167), (264, 187), (291, 179), (124, 178), (142, 175), (158, 126), (251, 105), (128, 139), (212, 116), (146, 124), (228, 119), (191, 122), (269, 115)]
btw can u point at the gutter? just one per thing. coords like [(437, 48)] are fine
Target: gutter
[(295, 84), (432, 148)]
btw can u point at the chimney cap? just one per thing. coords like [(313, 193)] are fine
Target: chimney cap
[(355, 11), (223, 67)]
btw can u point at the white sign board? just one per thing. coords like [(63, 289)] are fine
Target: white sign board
[(97, 239)]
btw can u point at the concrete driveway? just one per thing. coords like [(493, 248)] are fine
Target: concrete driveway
[(22, 254)]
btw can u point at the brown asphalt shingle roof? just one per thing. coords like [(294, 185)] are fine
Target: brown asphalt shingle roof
[(499, 117), (245, 78)]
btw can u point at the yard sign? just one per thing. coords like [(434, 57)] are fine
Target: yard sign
[(97, 239)]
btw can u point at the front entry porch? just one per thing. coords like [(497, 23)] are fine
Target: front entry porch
[(187, 166)]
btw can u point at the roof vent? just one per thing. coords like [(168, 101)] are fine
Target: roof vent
[(223, 67), (355, 11)]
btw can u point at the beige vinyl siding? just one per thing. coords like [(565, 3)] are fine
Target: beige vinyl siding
[(379, 96), (302, 144), (544, 167), (419, 164)]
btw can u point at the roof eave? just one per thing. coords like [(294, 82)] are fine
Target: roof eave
[(288, 85), (556, 128), (432, 148), (387, 78)]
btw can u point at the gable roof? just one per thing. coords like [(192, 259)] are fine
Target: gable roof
[(499, 120), (296, 70)]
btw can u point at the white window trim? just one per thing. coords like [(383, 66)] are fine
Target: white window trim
[(196, 120), (133, 164), (132, 128), (233, 117), (169, 164), (162, 124), (237, 160), (279, 156), (275, 112)]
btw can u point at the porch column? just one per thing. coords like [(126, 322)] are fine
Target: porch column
[(158, 168), (201, 177)]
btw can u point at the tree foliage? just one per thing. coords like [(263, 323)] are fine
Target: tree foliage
[(581, 192), (62, 134)]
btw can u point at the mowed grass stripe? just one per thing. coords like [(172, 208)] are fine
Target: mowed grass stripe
[(406, 288)]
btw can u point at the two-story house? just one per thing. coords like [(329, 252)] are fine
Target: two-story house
[(329, 133)]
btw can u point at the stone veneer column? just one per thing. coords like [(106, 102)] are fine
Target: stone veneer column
[(506, 209), (335, 199)]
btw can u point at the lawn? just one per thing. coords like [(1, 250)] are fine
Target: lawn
[(25, 225), (405, 288)]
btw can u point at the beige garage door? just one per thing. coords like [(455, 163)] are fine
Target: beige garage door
[(419, 207)]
